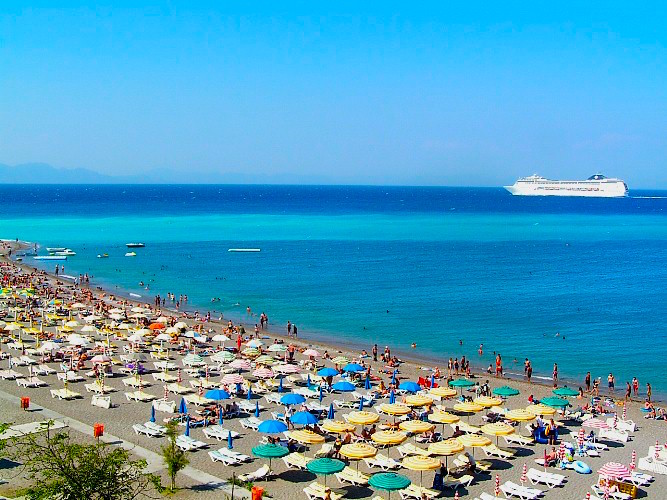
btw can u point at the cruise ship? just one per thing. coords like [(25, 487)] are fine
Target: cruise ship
[(595, 186)]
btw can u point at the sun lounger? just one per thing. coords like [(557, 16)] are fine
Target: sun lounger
[(317, 490), (296, 460), (511, 490), (164, 377), (249, 406), (98, 388), (486, 496), (352, 476), (139, 396), (216, 456), (622, 425), (250, 423), (325, 450), (164, 405), (414, 491), (141, 429), (27, 360), (262, 473), (10, 374), (465, 481), (493, 451), (481, 465), (273, 398), (65, 394), (179, 389), (156, 427), (101, 401), (520, 440), (186, 443), (382, 462), (70, 376), (338, 403), (31, 382), (467, 428), (219, 433), (135, 382), (651, 465), (198, 400), (540, 477), (235, 455), (614, 435), (598, 491), (44, 370), (410, 449)]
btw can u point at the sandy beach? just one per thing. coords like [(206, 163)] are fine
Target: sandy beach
[(289, 483)]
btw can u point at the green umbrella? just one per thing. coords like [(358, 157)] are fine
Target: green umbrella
[(389, 481), (565, 391), (461, 383), (270, 451), (505, 391), (325, 467), (555, 402)]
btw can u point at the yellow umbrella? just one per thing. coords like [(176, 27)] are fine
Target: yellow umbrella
[(443, 392), (395, 409), (389, 437), (443, 417), (468, 407), (416, 426), (306, 437), (487, 401), (420, 463), (498, 429), (446, 448), (337, 427), (541, 409), (519, 415), (357, 451), (418, 400), (473, 441), (362, 417)]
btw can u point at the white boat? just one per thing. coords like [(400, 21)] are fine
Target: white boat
[(131, 254), (102, 255), (244, 250), (50, 257), (135, 245), (66, 252), (596, 186), (56, 249)]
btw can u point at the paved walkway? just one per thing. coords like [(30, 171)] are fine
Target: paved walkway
[(154, 460)]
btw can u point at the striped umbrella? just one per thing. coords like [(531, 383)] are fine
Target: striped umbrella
[(595, 423), (561, 451), (232, 379), (262, 373), (179, 378), (615, 420), (625, 411), (633, 462), (580, 438), (524, 474), (614, 470), (496, 490), (588, 496), (656, 454), (456, 495)]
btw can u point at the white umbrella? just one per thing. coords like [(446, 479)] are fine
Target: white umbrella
[(171, 329), (78, 305), (220, 338), (124, 326), (162, 319), (116, 316), (139, 309), (115, 310), (143, 331), (134, 338), (91, 318), (277, 348), (256, 343), (163, 337), (89, 328), (181, 324)]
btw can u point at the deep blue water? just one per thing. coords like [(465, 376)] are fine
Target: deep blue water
[(390, 265)]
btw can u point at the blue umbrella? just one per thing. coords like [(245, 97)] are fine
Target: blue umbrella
[(217, 394), (238, 388), (182, 409), (187, 426), (308, 381), (303, 418), (393, 378), (321, 393), (292, 399), (230, 441), (353, 367), (367, 384), (432, 380), (331, 413), (327, 372), (257, 409), (343, 386), (392, 397), (361, 403), (272, 427), (280, 385), (249, 393), (220, 421), (410, 386), (152, 413)]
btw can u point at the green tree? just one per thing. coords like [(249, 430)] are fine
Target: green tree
[(174, 457), (63, 469)]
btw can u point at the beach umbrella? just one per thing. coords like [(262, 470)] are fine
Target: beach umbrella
[(442, 392), (432, 384), (240, 364), (265, 360), (263, 373), (249, 396), (392, 397), (277, 348), (254, 343), (505, 391), (496, 489), (272, 427), (308, 381), (353, 368), (393, 378), (388, 481), (520, 415), (488, 402), (250, 352), (156, 326), (389, 437), (395, 409), (232, 379), (100, 359), (220, 338), (524, 474), (633, 462), (416, 426), (361, 403), (223, 357), (418, 400), (304, 436), (303, 418), (183, 409), (614, 470), (312, 353), (321, 393), (340, 360), (325, 467), (555, 402), (217, 394), (580, 439), (473, 441), (446, 448), (358, 451), (280, 385), (362, 417), (337, 426), (595, 423), (467, 407), (420, 463), (286, 369), (327, 372), (443, 417), (564, 391), (187, 425), (343, 386), (540, 409), (220, 418), (152, 413), (230, 441), (331, 413), (410, 386), (257, 409), (367, 383), (270, 451), (498, 429), (292, 399), (461, 383)]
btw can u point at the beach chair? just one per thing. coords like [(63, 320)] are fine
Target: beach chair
[(614, 435), (519, 440), (641, 479), (141, 429), (352, 476), (44, 370), (216, 456), (486, 496), (649, 464), (622, 425), (156, 427), (382, 462), (465, 427), (552, 480), (262, 473), (186, 443), (219, 433), (30, 382), (493, 451), (317, 490), (164, 377), (410, 449), (101, 401), (27, 360), (598, 492), (511, 490), (414, 491), (325, 450), (179, 389), (273, 398), (250, 423), (70, 376), (235, 455), (164, 405), (10, 374), (64, 394), (481, 465), (463, 481), (339, 403), (297, 461)]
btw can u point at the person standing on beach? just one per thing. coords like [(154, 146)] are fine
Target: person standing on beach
[(529, 371), (294, 330), (587, 381), (375, 352), (648, 392), (289, 328), (628, 390), (635, 386), (499, 366), (555, 375)]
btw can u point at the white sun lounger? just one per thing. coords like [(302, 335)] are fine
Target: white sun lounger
[(164, 405), (27, 360), (296, 460), (622, 425), (31, 382), (410, 449), (520, 440), (324, 450), (156, 427), (651, 465), (540, 477), (70, 376), (186, 443), (511, 490), (101, 401), (318, 491), (353, 477), (216, 456), (164, 377), (139, 396), (141, 429), (10, 374), (614, 435), (250, 423), (234, 454), (414, 491), (44, 370), (493, 451), (382, 462), (219, 433), (261, 473), (463, 481), (618, 495), (65, 394), (179, 389)]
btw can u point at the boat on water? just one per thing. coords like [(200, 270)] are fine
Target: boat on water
[(50, 257), (131, 254), (56, 249), (102, 255), (67, 252), (135, 245), (244, 250), (596, 186)]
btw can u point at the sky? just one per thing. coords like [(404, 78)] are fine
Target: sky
[(441, 93)]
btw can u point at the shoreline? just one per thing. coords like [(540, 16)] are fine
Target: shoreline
[(340, 346)]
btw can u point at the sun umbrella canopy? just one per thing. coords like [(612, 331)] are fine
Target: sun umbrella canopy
[(461, 382), (395, 409), (418, 400), (263, 373), (223, 357), (340, 360), (220, 338), (353, 368), (420, 463), (250, 352), (306, 437), (505, 391), (312, 353), (256, 343), (156, 326), (362, 417), (487, 401), (443, 417), (303, 418), (100, 359), (217, 394), (565, 391), (232, 379), (337, 427), (410, 386), (277, 348), (446, 448), (343, 386), (357, 451), (325, 466), (614, 470), (272, 427), (327, 372), (270, 451), (520, 415), (498, 429), (389, 437), (286, 369), (389, 481), (443, 392), (595, 423), (292, 399), (468, 407), (265, 360), (473, 440), (540, 409), (416, 426), (555, 402)]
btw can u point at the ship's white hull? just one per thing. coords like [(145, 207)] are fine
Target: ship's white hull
[(577, 188)]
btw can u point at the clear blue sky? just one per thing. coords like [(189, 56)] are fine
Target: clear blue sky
[(472, 93)]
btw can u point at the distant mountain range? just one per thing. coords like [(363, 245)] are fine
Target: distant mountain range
[(43, 173)]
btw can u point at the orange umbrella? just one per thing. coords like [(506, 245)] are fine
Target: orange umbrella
[(156, 326)]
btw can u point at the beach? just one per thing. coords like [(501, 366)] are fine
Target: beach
[(119, 421)]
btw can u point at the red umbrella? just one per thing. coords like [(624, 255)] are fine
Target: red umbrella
[(524, 474), (156, 326), (178, 374), (588, 496), (545, 460), (625, 411), (657, 450), (633, 462), (496, 490), (614, 470), (238, 343), (166, 392)]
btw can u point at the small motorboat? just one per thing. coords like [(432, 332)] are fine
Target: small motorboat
[(102, 255), (131, 254), (50, 257), (55, 249), (66, 252), (135, 245), (244, 250)]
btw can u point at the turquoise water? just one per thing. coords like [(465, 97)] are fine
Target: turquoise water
[(387, 265)]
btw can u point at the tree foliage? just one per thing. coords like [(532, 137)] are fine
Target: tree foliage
[(174, 458)]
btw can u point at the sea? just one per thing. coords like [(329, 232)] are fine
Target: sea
[(574, 281)]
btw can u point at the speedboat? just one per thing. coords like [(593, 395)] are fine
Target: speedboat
[(131, 254), (102, 255), (244, 250), (135, 245), (55, 249), (66, 252)]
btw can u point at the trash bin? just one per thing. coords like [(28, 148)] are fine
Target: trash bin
[(25, 403), (256, 493)]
